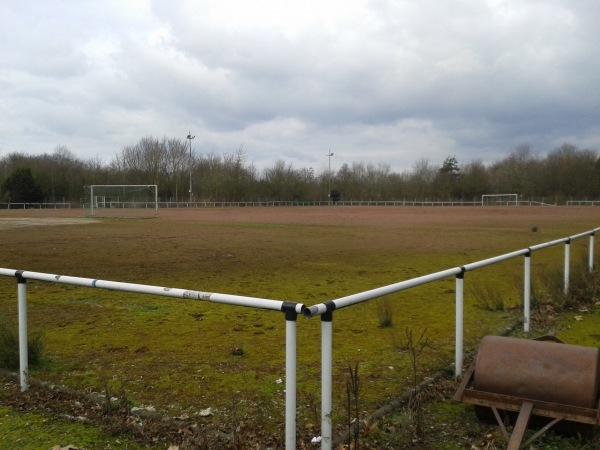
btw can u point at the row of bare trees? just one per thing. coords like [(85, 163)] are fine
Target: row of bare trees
[(564, 173)]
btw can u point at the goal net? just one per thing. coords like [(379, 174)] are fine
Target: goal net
[(500, 200), (121, 200)]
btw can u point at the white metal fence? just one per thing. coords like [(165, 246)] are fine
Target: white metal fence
[(172, 204), (325, 310), (583, 202), (43, 205)]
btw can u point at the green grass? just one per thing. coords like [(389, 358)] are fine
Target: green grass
[(176, 354), (34, 431)]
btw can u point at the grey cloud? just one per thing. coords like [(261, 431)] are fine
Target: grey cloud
[(383, 81)]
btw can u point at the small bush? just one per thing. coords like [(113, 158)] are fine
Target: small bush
[(9, 347)]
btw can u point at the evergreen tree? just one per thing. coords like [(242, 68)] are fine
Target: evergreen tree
[(21, 187)]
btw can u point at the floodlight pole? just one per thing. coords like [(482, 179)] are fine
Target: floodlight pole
[(329, 155), (190, 137)]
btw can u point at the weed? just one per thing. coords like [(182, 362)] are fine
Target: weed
[(414, 417), (385, 313), (352, 405), (553, 293), (488, 298), (584, 287), (9, 347), (312, 409), (115, 408)]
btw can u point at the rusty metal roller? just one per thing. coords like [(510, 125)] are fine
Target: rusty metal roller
[(538, 370)]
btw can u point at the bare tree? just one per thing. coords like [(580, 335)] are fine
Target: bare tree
[(516, 173), (474, 180), (421, 180), (572, 173), (177, 166)]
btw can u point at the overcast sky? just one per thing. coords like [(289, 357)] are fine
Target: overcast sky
[(390, 81)]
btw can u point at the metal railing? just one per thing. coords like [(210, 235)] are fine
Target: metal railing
[(325, 311), (290, 309)]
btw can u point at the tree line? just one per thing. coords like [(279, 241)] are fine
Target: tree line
[(564, 173)]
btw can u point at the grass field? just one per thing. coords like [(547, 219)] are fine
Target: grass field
[(183, 356)]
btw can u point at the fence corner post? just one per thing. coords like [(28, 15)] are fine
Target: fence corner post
[(459, 338), (290, 374), (326, 378), (23, 349)]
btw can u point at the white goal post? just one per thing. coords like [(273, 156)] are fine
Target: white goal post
[(122, 200), (500, 199)]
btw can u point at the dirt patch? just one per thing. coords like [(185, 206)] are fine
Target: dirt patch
[(14, 222)]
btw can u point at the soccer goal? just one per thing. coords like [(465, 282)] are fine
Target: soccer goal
[(500, 200), (121, 200)]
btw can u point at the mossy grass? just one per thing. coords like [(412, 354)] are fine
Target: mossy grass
[(33, 430)]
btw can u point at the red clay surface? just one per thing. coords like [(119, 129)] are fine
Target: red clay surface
[(393, 216)]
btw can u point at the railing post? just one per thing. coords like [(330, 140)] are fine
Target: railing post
[(527, 292), (23, 354), (326, 379), (290, 379), (458, 352), (591, 253), (567, 264)]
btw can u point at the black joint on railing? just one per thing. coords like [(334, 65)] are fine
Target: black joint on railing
[(528, 254), (327, 316), (461, 274), (20, 278), (289, 309), (568, 241)]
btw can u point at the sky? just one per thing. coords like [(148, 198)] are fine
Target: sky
[(389, 82)]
